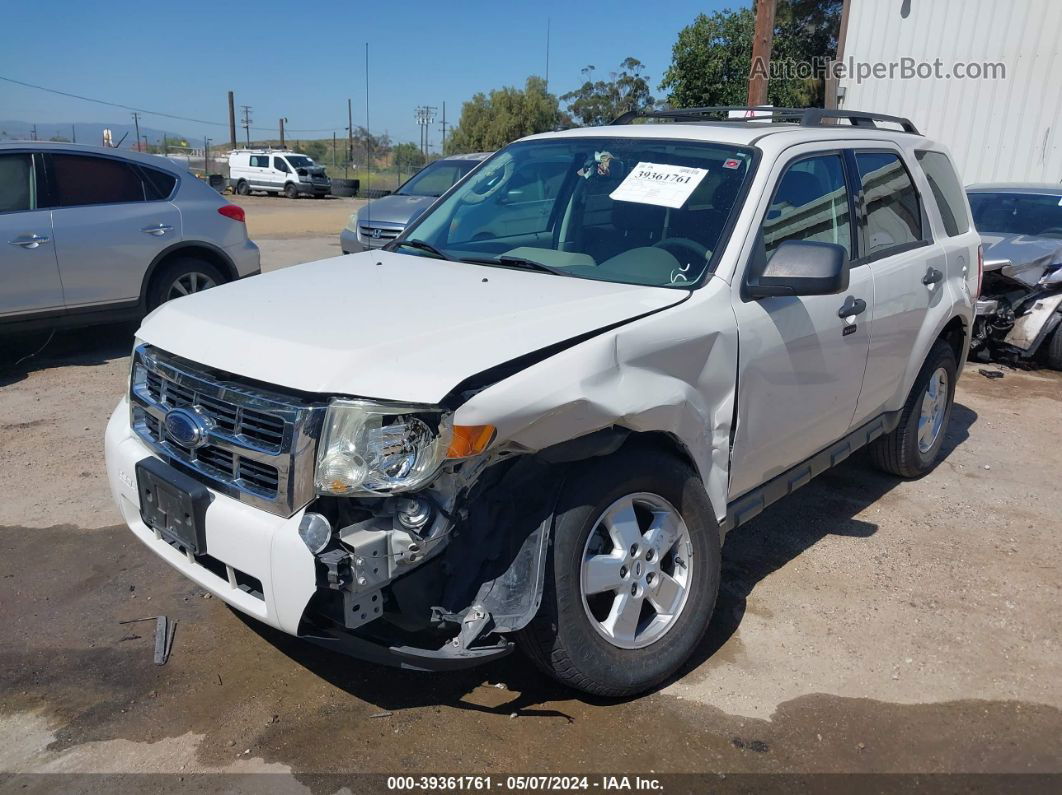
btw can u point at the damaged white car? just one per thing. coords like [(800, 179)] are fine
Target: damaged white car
[(532, 418)]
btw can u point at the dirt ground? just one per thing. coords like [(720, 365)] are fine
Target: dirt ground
[(866, 624), (275, 217)]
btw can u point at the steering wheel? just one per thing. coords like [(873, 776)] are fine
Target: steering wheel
[(678, 246), (489, 184)]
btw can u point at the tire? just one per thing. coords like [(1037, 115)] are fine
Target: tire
[(243, 188), (290, 191), (1053, 349), (904, 452), (186, 272), (566, 638)]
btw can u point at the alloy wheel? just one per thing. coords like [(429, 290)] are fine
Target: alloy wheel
[(934, 407), (188, 283), (636, 570)]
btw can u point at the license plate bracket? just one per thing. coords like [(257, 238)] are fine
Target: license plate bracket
[(173, 504)]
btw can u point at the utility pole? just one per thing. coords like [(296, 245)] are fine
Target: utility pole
[(333, 148), (350, 136), (547, 53), (232, 122), (33, 132), (206, 158), (73, 133), (443, 127), (762, 39), (282, 120), (247, 123), (425, 116), (136, 122)]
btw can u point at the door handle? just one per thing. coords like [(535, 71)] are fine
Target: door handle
[(29, 241), (932, 277), (852, 306), (157, 231)]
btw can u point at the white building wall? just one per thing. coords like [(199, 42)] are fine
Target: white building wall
[(998, 130)]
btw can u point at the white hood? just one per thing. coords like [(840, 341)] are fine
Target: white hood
[(388, 326)]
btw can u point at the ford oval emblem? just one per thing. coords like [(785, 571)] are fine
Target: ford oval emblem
[(186, 428)]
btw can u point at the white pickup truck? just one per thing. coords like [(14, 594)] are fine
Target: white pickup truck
[(532, 418)]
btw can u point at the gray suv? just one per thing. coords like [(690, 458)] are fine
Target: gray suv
[(99, 235), (381, 221)]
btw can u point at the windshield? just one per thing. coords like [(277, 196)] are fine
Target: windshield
[(639, 211), (1018, 213), (436, 178), (299, 161)]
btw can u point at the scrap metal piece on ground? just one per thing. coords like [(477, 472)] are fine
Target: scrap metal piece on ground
[(991, 373), (164, 632)]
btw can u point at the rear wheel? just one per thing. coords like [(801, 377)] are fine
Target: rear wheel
[(632, 576), (291, 191), (243, 188), (181, 277), (912, 448)]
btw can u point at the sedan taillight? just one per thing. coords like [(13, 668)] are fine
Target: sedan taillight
[(233, 211)]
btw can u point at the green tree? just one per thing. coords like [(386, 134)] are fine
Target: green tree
[(407, 156), (491, 121), (315, 150), (712, 58), (601, 101)]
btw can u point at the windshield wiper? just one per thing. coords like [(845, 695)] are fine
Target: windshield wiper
[(422, 246), (520, 262)]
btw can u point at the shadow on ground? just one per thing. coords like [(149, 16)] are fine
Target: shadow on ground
[(827, 506), (22, 354)]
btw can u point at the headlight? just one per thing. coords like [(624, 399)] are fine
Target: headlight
[(370, 448)]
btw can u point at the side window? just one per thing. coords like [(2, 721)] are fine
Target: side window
[(16, 183), (81, 180), (259, 161), (280, 165), (894, 216), (157, 184), (946, 190), (810, 203)]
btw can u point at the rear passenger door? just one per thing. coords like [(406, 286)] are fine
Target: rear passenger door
[(802, 357), (111, 220), (908, 271), (29, 273)]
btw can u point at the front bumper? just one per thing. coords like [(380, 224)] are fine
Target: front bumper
[(349, 243), (314, 188), (242, 539)]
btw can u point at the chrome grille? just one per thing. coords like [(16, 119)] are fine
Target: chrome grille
[(258, 446), (377, 234)]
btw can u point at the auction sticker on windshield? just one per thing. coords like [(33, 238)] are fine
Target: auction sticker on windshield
[(655, 183)]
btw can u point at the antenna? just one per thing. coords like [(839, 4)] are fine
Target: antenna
[(368, 140), (548, 20)]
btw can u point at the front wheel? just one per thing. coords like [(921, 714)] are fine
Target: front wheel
[(1053, 350), (912, 448), (632, 576)]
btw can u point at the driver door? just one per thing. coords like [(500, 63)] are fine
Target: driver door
[(802, 357)]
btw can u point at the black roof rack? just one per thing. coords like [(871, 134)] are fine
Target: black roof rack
[(806, 117)]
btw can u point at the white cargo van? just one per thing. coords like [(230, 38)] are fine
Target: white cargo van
[(277, 171)]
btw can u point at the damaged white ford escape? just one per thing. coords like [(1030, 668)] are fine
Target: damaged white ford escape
[(532, 418)]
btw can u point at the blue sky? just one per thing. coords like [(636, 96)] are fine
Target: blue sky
[(284, 58)]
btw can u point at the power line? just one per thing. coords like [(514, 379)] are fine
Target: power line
[(149, 112)]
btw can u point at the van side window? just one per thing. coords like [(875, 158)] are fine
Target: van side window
[(260, 161), (16, 183), (810, 203), (280, 165), (894, 216), (946, 190), (81, 180)]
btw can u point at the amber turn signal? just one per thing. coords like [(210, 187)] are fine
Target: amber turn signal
[(469, 440)]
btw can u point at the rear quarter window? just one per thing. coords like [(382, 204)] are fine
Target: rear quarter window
[(946, 191), (157, 184)]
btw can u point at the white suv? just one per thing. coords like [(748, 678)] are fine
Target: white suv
[(533, 417)]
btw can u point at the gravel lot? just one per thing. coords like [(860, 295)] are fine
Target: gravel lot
[(866, 624)]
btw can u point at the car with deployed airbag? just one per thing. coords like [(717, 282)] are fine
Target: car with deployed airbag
[(531, 419)]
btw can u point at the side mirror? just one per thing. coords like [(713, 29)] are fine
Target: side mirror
[(801, 267)]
